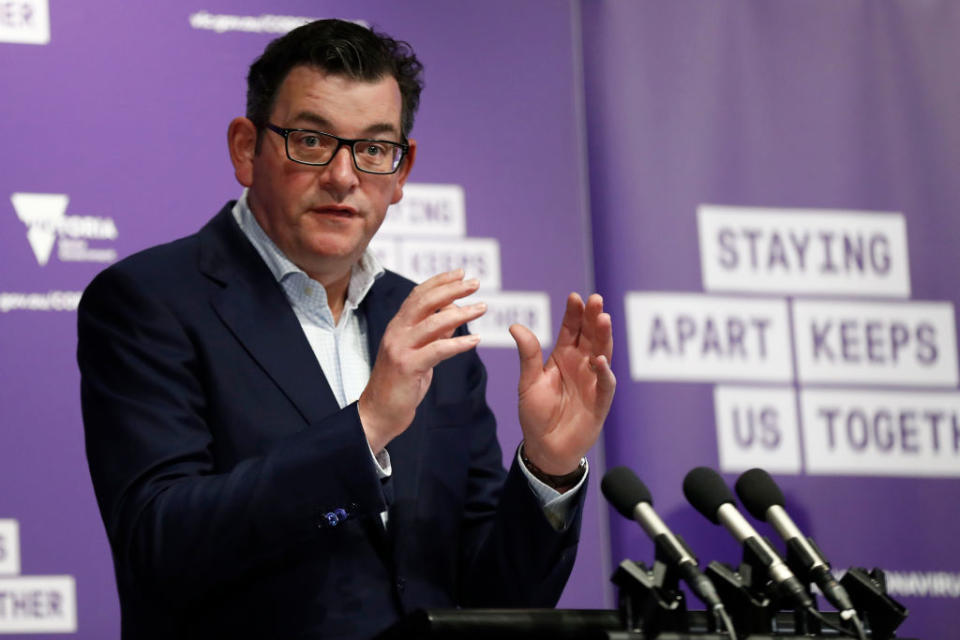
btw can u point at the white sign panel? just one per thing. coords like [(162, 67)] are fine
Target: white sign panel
[(504, 308), (757, 427), (387, 251), (427, 210), (38, 604), (478, 257), (695, 337), (894, 343), (881, 433), (25, 21), (800, 251), (9, 547)]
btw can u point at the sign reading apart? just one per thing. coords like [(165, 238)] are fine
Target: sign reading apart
[(694, 337), (803, 251), (803, 342)]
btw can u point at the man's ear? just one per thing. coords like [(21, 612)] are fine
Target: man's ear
[(242, 142), (404, 171)]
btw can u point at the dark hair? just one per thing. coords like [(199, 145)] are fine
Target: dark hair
[(340, 47)]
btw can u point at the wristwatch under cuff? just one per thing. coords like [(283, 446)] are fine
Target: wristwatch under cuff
[(560, 483)]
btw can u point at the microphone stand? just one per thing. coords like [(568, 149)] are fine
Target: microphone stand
[(756, 608), (747, 592), (651, 602)]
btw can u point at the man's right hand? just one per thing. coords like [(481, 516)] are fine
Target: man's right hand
[(417, 339)]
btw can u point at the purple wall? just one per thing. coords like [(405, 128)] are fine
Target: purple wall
[(790, 114), (125, 111), (816, 105)]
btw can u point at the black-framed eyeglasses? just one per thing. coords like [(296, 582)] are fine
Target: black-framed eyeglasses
[(317, 149)]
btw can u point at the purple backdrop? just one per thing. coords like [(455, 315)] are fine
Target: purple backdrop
[(817, 105), (125, 110), (779, 106)]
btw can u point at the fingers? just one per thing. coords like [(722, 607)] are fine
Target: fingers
[(531, 356), (606, 384), (572, 321), (443, 323), (421, 334), (597, 330), (439, 350), (587, 327), (436, 294)]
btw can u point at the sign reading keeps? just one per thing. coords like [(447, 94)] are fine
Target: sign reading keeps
[(802, 341), (896, 343), (425, 234)]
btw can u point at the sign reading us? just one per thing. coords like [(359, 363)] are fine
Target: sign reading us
[(816, 337), (426, 233)]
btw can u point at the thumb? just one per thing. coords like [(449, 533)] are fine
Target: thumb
[(531, 357)]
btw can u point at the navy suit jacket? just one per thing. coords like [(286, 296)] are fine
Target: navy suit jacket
[(241, 501)]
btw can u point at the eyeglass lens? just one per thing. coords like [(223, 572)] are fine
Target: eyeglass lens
[(317, 148)]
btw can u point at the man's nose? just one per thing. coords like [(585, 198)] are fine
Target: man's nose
[(340, 175)]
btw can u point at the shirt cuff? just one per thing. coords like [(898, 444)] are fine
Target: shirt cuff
[(381, 462), (557, 507)]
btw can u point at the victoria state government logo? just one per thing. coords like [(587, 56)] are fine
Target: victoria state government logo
[(47, 222)]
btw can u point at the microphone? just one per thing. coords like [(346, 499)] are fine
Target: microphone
[(629, 496), (709, 494), (764, 500)]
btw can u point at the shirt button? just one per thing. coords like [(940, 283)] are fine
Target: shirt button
[(401, 584)]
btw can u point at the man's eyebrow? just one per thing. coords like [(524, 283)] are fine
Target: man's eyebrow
[(314, 119), (380, 128), (325, 125)]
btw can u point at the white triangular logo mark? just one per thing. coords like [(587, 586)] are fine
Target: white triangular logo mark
[(42, 213)]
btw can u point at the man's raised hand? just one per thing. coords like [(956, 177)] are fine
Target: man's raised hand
[(564, 402), (418, 338)]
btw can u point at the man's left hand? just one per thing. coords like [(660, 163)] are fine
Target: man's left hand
[(564, 402)]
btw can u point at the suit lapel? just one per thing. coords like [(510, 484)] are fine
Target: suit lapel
[(255, 309), (253, 306), (406, 450)]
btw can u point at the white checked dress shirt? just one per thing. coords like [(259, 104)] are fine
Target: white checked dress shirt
[(341, 347)]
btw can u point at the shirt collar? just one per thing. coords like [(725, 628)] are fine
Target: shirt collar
[(362, 276)]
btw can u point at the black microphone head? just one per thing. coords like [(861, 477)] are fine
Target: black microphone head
[(623, 489), (758, 492), (706, 491)]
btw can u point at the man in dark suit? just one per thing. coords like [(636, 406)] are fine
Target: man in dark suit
[(287, 440)]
